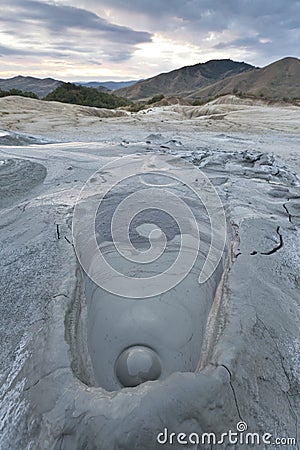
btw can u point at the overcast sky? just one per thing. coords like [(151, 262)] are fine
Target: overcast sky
[(133, 39)]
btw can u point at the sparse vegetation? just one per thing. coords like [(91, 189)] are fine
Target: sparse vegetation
[(155, 99), (200, 102), (86, 96), (136, 107), (17, 92)]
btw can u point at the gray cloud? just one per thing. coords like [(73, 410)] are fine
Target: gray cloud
[(82, 32), (34, 20), (196, 10), (27, 52), (61, 18), (7, 51), (251, 22)]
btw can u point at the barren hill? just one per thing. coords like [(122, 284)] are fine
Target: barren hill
[(185, 80), (278, 80), (39, 86)]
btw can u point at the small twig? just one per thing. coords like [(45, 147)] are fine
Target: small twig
[(60, 295), (57, 231)]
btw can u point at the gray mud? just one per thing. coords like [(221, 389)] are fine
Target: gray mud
[(18, 177), (11, 138), (245, 356)]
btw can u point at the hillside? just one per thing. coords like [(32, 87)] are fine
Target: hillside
[(86, 96), (39, 86), (279, 80), (185, 80)]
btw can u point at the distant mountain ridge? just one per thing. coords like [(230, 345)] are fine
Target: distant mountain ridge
[(109, 85), (278, 80), (43, 86), (185, 80), (92, 84), (39, 86)]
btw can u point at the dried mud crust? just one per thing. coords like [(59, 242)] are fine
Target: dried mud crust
[(17, 177), (249, 368)]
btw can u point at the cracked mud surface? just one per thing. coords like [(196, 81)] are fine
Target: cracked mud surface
[(249, 367)]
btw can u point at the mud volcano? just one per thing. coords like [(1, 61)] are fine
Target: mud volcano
[(105, 372), (142, 336)]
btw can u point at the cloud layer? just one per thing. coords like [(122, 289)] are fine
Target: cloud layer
[(265, 28), (63, 34), (117, 39)]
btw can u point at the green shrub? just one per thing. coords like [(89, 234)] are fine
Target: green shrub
[(155, 99), (203, 101), (18, 92), (86, 96), (136, 107)]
